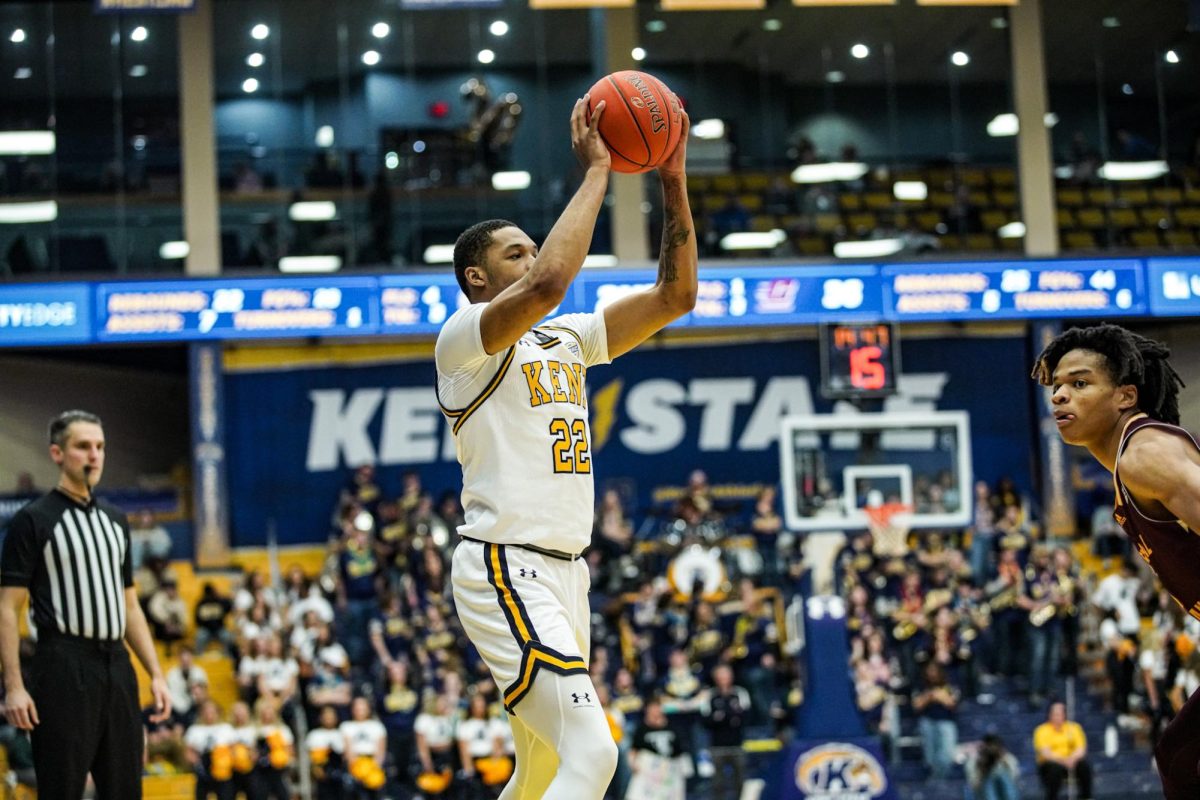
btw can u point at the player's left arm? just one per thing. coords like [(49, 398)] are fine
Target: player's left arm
[(633, 319), (1165, 468)]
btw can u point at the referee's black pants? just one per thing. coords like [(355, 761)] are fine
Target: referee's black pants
[(86, 696)]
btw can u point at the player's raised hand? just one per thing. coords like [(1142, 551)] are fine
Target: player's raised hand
[(585, 135), (675, 163)]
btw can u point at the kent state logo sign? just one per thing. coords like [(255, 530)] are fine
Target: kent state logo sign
[(839, 771)]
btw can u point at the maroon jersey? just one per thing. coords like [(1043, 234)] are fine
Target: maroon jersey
[(1170, 548)]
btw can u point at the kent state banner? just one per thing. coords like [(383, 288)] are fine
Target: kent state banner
[(294, 435)]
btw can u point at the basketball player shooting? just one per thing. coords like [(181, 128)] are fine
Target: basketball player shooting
[(513, 388), (1115, 394)]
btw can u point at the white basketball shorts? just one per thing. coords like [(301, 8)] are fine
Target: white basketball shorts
[(524, 611)]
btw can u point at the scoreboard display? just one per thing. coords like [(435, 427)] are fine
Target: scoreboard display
[(860, 359)]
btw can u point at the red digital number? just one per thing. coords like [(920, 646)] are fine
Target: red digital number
[(865, 370)]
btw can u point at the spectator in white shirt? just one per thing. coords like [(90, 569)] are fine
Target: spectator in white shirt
[(478, 738), (365, 747), (181, 678), (278, 674), (326, 745), (1118, 593), (435, 735), (208, 743)]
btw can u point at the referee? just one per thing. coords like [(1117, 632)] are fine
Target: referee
[(69, 554)]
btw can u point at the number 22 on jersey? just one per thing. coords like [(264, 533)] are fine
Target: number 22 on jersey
[(570, 447)]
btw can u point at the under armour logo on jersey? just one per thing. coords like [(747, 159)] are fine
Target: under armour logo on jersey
[(586, 697), (527, 573)]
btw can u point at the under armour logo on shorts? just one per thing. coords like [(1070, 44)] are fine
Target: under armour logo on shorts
[(527, 573), (586, 697)]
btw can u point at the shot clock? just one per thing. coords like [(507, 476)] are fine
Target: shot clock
[(860, 359)]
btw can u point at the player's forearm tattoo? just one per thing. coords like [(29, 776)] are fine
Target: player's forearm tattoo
[(677, 229)]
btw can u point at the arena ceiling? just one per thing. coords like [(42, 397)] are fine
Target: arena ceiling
[(806, 45)]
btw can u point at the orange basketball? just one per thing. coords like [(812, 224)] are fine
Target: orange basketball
[(642, 119)]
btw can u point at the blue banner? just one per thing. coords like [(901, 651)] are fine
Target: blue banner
[(1058, 494), (210, 495), (1014, 289), (843, 769), (294, 435), (1174, 286), (34, 314)]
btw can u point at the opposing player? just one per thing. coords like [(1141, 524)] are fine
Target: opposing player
[(514, 390), (1115, 394)]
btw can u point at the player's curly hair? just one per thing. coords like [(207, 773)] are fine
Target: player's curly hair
[(472, 245), (1130, 359)]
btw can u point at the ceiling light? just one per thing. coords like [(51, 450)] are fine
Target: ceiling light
[(260, 31), (391, 160), (1132, 170), (138, 71), (999, 23), (1050, 118), (510, 181), (772, 25), (959, 58), (27, 143), (310, 263), (860, 50), (380, 30), (255, 60), (708, 129), (829, 172), (438, 254), (370, 58), (170, 251), (23, 73), (835, 76), (910, 190), (1126, 88), (1004, 125), (1111, 22), (1013, 230), (250, 85), (486, 56), (656, 26), (1172, 57), (638, 53), (324, 137), (868, 248), (139, 33), (312, 211), (18, 36), (498, 28), (753, 240), (20, 213)]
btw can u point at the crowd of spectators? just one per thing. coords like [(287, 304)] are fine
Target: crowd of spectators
[(363, 674)]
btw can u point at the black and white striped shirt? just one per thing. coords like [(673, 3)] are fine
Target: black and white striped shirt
[(74, 560)]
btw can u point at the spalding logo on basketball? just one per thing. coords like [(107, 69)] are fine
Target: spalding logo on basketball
[(839, 771), (642, 119)]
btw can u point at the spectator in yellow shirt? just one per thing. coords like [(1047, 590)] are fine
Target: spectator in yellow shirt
[(1061, 748)]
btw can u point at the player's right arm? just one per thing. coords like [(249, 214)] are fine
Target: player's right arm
[(540, 290), (1164, 468)]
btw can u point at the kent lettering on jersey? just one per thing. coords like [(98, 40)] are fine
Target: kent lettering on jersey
[(1115, 393)]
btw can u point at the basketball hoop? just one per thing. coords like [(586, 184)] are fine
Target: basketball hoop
[(889, 524)]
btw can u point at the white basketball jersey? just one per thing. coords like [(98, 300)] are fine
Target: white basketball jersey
[(520, 422)]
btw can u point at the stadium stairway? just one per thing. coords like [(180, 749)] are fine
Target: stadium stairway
[(1127, 775)]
